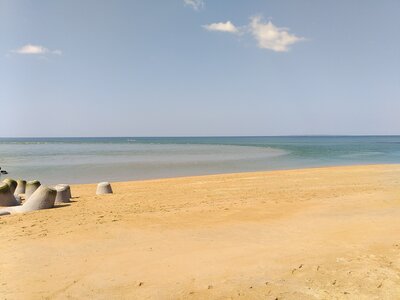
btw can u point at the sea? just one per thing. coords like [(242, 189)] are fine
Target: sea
[(90, 160)]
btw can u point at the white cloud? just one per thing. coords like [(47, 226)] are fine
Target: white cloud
[(36, 50), (271, 37), (195, 4), (267, 35), (224, 27)]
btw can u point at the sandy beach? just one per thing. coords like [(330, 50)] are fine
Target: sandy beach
[(323, 233)]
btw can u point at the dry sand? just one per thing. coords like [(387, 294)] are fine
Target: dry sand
[(327, 233)]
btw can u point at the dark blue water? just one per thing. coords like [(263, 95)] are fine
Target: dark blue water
[(74, 160)]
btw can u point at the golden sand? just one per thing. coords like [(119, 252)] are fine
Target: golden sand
[(326, 233)]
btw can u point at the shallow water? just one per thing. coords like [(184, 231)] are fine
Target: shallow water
[(84, 160)]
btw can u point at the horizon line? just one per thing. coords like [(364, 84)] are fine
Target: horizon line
[(203, 136)]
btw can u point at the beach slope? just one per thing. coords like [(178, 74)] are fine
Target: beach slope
[(323, 233)]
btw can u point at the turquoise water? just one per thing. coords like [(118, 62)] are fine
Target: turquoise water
[(84, 160)]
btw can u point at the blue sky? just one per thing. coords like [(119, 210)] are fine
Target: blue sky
[(190, 67)]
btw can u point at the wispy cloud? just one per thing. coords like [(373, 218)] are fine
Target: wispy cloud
[(271, 37), (224, 27), (195, 4), (30, 49), (267, 35)]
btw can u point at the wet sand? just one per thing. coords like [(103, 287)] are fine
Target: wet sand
[(324, 233)]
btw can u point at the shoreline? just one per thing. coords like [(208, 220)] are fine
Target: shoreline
[(293, 234), (243, 173)]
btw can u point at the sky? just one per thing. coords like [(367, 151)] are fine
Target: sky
[(199, 67)]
